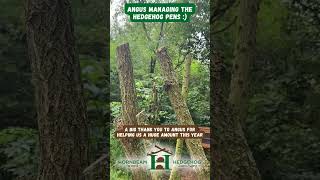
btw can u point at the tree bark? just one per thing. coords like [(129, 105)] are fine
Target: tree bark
[(148, 143), (182, 112), (245, 54), (175, 174), (61, 110), (184, 92), (186, 78), (232, 158), (134, 148), (152, 64), (154, 105)]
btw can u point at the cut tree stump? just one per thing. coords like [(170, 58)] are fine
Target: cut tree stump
[(134, 148)]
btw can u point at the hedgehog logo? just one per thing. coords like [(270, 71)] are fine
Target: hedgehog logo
[(160, 159)]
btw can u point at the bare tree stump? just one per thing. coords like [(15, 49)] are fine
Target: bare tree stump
[(133, 147)]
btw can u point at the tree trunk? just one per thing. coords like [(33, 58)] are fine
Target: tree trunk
[(134, 148), (61, 110), (152, 64), (182, 112), (154, 105), (148, 143), (245, 54), (175, 174), (232, 158), (184, 92), (186, 77)]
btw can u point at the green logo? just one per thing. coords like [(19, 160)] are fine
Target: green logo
[(160, 159), (160, 12)]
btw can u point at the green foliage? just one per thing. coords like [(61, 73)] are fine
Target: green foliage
[(115, 153), (20, 149), (284, 112), (180, 39), (116, 109), (283, 120), (95, 83), (280, 136), (144, 39), (198, 96), (16, 100)]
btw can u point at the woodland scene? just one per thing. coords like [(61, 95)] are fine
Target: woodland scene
[(74, 71)]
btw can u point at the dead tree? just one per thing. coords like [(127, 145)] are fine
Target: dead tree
[(183, 115), (186, 77), (185, 89), (133, 147)]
